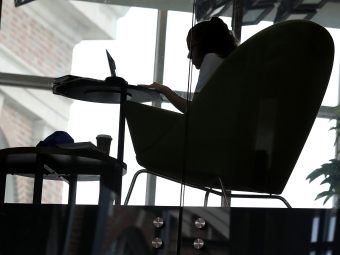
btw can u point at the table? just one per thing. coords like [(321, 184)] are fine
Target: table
[(110, 91), (70, 165), (114, 90)]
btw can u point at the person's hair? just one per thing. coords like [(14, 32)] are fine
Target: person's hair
[(214, 36)]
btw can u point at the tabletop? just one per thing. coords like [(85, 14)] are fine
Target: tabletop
[(86, 163), (99, 91)]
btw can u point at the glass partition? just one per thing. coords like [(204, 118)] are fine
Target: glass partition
[(50, 39)]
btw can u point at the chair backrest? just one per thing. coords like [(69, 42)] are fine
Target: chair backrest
[(260, 105)]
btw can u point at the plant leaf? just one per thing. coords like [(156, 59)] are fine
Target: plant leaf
[(337, 136), (328, 197), (332, 168), (332, 179), (327, 194), (323, 194)]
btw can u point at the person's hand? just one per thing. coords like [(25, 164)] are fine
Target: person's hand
[(158, 87)]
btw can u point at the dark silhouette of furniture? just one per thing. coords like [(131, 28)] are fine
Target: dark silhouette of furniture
[(69, 165), (249, 123), (114, 90)]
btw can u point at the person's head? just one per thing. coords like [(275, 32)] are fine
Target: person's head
[(211, 36)]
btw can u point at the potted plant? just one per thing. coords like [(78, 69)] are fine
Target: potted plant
[(331, 170)]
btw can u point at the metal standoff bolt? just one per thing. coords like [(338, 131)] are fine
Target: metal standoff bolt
[(200, 223), (158, 222), (157, 242), (198, 244)]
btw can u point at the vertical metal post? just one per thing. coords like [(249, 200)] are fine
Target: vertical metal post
[(160, 46), (150, 193), (72, 189), (120, 153), (237, 18), (236, 23), (38, 179), (162, 18), (72, 193), (3, 177), (121, 132), (336, 199), (104, 209)]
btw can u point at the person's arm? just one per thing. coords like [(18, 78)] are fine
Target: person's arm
[(179, 102)]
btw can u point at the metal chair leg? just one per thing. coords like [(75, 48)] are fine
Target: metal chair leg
[(133, 184), (262, 197), (224, 193), (206, 197), (207, 190)]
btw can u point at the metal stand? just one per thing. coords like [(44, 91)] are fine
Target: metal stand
[(72, 189), (223, 192), (120, 153), (207, 190), (206, 196), (38, 180), (114, 90)]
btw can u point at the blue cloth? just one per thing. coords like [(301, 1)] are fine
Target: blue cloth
[(58, 137)]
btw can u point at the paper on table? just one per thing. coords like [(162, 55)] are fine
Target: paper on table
[(82, 145)]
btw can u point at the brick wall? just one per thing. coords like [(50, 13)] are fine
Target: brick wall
[(33, 43), (44, 53), (17, 128)]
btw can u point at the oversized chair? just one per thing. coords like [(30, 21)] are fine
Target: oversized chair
[(250, 122)]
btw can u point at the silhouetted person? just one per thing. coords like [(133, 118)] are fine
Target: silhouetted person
[(209, 43)]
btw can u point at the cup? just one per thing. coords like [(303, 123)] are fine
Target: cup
[(103, 143)]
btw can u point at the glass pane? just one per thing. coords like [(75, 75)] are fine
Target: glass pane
[(33, 44), (43, 40), (35, 40)]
